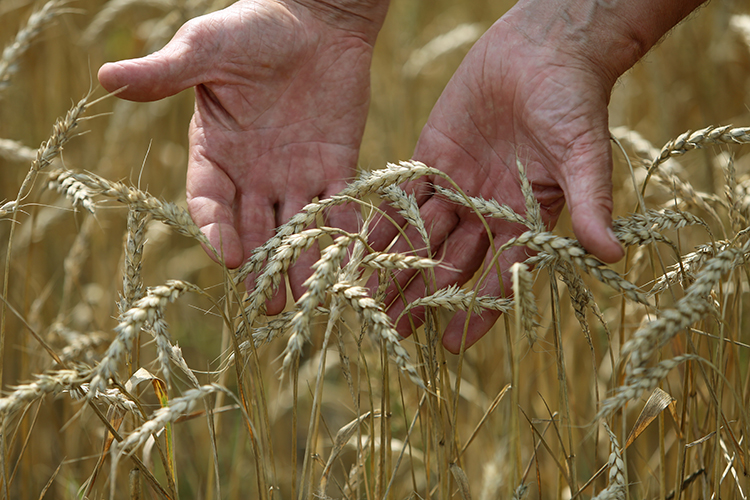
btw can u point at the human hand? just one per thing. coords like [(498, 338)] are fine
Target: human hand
[(510, 99), (282, 93)]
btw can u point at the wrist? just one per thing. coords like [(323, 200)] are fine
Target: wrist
[(609, 38), (362, 17)]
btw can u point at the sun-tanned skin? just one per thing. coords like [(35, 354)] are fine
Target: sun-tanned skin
[(282, 92)]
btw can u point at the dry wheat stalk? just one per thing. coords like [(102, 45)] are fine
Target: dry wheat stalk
[(686, 193), (62, 132), (641, 229), (63, 181), (688, 310), (110, 397), (145, 311), (454, 297), (383, 260), (45, 383), (373, 315), (369, 182), (689, 264), (520, 492), (461, 35), (616, 490), (164, 348), (725, 162), (282, 257), (645, 381), (491, 208), (408, 208), (165, 415), (325, 272), (163, 211), (558, 248), (22, 41), (533, 210), (525, 302), (693, 140), (77, 345), (132, 281)]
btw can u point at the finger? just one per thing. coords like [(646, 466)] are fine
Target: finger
[(174, 68), (479, 324), (588, 192), (210, 198)]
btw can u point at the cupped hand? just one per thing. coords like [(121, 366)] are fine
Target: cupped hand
[(510, 99), (282, 94)]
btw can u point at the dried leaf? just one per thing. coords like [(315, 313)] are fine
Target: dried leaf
[(656, 404), (461, 480)]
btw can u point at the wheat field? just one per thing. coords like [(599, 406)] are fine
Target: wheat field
[(134, 366)]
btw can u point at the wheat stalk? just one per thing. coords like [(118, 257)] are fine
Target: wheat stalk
[(170, 214), (687, 311), (454, 297), (45, 383), (491, 208), (373, 315), (145, 311), (168, 414), (642, 229), (369, 182), (557, 248), (688, 141), (35, 24), (64, 182), (324, 275), (616, 489), (525, 303)]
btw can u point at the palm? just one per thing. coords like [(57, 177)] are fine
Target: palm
[(281, 103), (505, 103)]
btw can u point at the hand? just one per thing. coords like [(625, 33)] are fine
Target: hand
[(282, 93), (511, 98)]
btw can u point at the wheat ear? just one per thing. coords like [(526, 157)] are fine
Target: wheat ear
[(170, 214), (491, 208), (144, 311), (557, 248), (65, 183), (616, 489), (45, 383), (324, 275), (525, 303), (36, 23), (688, 310), (688, 141), (369, 182), (167, 414), (373, 315)]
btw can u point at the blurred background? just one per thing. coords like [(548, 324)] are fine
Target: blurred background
[(697, 76)]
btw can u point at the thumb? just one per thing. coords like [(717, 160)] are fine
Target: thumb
[(588, 192), (174, 68)]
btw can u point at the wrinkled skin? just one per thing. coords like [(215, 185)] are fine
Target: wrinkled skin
[(510, 99), (281, 101)]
